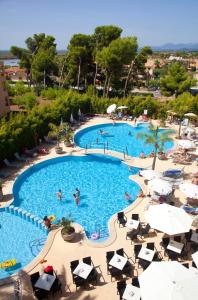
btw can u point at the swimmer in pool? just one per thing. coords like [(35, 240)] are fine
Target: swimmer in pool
[(102, 132), (127, 196), (76, 199), (59, 195)]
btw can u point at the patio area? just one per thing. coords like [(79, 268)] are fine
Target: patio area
[(60, 254)]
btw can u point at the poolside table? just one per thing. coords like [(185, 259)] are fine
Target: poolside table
[(175, 246), (45, 282), (194, 237), (194, 270), (118, 261), (132, 224), (83, 270), (131, 292), (195, 258), (146, 254)]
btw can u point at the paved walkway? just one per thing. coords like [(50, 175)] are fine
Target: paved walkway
[(59, 253)]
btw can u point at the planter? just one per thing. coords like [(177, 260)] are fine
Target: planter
[(67, 143), (69, 236), (59, 150)]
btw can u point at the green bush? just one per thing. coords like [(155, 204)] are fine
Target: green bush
[(28, 100), (21, 129)]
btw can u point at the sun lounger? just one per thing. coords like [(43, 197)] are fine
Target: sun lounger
[(4, 174), (192, 210), (20, 158), (48, 141), (11, 164), (32, 153), (174, 173)]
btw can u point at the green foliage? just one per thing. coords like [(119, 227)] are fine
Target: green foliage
[(49, 93), (38, 58), (18, 89), (19, 130), (67, 227), (28, 100), (176, 81), (183, 104), (156, 139), (104, 35)]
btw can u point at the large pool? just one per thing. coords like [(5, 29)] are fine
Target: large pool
[(20, 240), (102, 181), (120, 137)]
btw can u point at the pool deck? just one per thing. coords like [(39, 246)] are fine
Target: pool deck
[(59, 253)]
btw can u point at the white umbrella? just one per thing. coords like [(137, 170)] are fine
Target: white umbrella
[(168, 219), (150, 174), (111, 108), (190, 115), (195, 258), (160, 186), (189, 189), (186, 144), (79, 112), (122, 107), (71, 118), (168, 281)]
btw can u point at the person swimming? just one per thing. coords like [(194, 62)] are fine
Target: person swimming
[(47, 222), (77, 192), (59, 195), (129, 133), (102, 132), (142, 155), (76, 199), (127, 196)]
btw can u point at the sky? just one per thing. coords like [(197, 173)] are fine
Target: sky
[(154, 22)]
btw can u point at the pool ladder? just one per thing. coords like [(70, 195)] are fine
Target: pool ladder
[(107, 146), (17, 211)]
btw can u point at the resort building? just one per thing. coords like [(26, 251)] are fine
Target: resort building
[(15, 74), (4, 100)]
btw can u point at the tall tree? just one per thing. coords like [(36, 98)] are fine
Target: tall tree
[(79, 57), (103, 36), (38, 43), (137, 64), (112, 59), (156, 138), (176, 81)]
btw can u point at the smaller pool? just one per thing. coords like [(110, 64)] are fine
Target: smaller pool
[(20, 240), (120, 137)]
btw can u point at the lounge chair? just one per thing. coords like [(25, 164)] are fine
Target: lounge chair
[(49, 141), (121, 219), (56, 287), (20, 158), (121, 285), (4, 174), (135, 282), (31, 153), (11, 164), (192, 210), (175, 173)]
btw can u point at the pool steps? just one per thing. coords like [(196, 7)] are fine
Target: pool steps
[(17, 211)]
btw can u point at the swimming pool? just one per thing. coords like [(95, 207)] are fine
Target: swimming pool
[(20, 240), (102, 181), (117, 138)]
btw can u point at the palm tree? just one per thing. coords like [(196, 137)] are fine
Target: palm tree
[(155, 138)]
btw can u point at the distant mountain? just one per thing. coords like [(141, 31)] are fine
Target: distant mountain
[(176, 47)]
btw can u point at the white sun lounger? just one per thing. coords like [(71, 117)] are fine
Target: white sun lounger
[(11, 164)]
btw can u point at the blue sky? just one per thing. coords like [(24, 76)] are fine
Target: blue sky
[(154, 22)]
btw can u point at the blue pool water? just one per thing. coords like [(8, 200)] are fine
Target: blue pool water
[(117, 137), (102, 181), (20, 240)]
